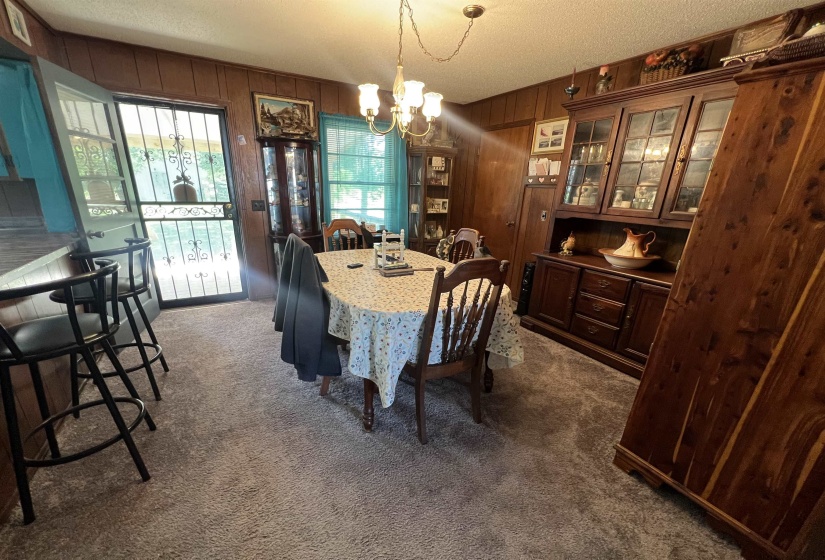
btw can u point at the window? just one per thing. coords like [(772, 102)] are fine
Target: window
[(364, 175)]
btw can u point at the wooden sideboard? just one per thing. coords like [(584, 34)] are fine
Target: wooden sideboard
[(608, 313), (731, 407)]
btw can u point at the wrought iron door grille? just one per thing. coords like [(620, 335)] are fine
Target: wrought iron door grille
[(177, 155)]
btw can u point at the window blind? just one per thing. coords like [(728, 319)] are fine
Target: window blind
[(364, 175)]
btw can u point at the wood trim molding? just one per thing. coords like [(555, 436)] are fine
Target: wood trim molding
[(788, 69), (700, 79)]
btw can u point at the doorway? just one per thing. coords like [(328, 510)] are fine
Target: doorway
[(178, 155)]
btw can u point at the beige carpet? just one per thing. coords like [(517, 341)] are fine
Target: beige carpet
[(249, 462)]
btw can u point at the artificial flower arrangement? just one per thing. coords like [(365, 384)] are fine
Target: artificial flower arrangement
[(670, 63)]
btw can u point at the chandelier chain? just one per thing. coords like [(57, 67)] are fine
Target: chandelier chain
[(418, 36), (400, 32)]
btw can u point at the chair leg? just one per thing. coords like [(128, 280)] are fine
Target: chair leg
[(43, 405), (16, 445), (324, 385), (488, 374), (110, 352), (419, 409), (75, 384), (150, 330), (143, 355), (475, 393), (116, 416)]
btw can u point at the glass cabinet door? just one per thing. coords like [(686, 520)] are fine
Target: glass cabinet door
[(695, 159), (297, 186), (273, 191), (645, 158), (415, 175), (590, 156)]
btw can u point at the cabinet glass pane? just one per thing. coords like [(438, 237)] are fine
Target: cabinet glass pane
[(657, 148), (644, 198), (592, 174), (578, 153), (639, 124), (583, 132), (651, 173), (629, 174), (601, 130), (696, 174), (665, 121), (715, 114), (634, 150), (575, 175), (705, 144), (587, 159), (271, 173)]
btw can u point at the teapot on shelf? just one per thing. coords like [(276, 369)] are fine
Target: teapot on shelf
[(633, 245)]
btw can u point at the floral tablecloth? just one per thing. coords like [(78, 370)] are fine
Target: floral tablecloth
[(383, 318)]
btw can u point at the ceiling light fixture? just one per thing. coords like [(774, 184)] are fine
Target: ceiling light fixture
[(409, 95)]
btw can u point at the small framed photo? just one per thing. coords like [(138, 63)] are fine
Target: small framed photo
[(18, 23), (548, 136), (444, 203)]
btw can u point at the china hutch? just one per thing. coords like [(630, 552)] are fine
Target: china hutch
[(429, 176), (637, 158), (293, 190)]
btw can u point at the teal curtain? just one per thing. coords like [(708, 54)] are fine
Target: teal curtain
[(364, 175)]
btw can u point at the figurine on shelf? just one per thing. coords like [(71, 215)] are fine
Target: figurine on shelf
[(439, 233), (568, 245), (605, 82), (298, 225)]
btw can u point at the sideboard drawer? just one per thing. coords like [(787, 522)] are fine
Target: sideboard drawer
[(595, 332), (605, 285), (603, 310)]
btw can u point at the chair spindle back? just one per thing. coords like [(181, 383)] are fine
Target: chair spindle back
[(342, 235)]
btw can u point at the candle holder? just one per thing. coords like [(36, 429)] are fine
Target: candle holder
[(572, 90)]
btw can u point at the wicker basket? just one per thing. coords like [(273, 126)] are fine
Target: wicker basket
[(797, 49), (663, 74)]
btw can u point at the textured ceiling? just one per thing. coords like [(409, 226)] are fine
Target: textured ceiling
[(515, 44)]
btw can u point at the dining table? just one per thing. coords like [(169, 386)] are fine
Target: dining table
[(382, 318)]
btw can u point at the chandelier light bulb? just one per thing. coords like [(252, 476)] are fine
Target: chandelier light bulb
[(432, 105), (369, 99), (414, 93)]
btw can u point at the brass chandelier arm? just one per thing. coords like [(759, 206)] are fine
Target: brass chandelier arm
[(421, 44), (408, 132), (379, 132)]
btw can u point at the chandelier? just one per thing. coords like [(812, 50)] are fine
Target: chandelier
[(409, 95)]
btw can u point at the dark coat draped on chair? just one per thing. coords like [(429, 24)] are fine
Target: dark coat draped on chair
[(302, 314)]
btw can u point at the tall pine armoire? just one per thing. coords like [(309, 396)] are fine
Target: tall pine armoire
[(731, 406)]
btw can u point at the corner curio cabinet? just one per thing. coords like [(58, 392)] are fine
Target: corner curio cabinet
[(430, 177), (293, 189)]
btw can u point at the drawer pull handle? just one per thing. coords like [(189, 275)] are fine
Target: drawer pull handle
[(603, 283), (592, 330), (597, 307)]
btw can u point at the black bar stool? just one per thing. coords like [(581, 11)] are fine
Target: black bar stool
[(49, 337), (128, 289)]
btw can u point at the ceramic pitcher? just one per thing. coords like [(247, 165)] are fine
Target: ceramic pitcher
[(635, 246)]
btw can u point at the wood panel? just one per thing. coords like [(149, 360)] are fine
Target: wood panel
[(176, 74), (739, 429), (532, 230), (115, 67), (205, 77)]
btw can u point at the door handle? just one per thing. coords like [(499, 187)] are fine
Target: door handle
[(227, 210), (98, 234)]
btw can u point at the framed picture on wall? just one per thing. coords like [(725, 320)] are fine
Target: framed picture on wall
[(18, 23), (284, 117), (548, 136)]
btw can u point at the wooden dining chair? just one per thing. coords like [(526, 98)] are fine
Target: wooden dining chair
[(342, 234), (466, 242), (473, 288)]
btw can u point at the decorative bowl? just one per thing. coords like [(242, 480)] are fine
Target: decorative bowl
[(621, 261)]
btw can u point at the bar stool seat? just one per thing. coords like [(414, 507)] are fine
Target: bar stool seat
[(50, 336), (128, 291), (72, 334)]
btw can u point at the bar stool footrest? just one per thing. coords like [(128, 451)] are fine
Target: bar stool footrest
[(91, 450), (153, 359)]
